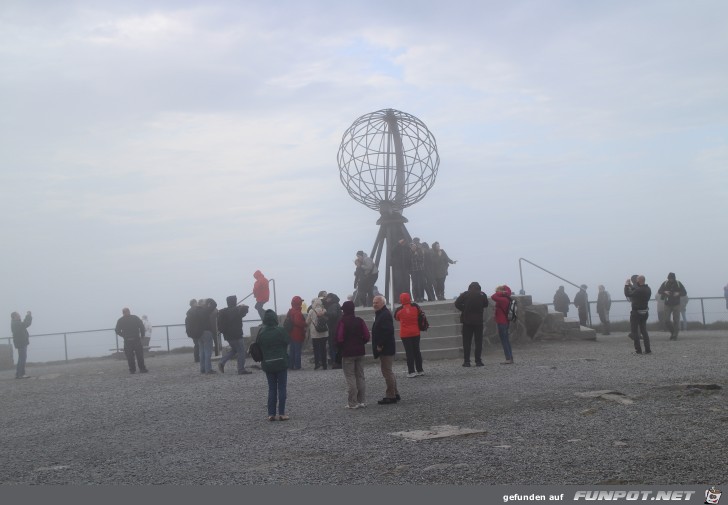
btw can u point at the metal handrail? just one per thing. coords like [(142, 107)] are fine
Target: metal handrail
[(520, 269)]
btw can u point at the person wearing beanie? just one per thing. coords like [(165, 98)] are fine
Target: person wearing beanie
[(351, 334), (471, 305), (409, 332), (502, 299), (297, 332), (230, 324), (671, 291)]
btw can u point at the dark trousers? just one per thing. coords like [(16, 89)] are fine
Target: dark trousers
[(22, 356), (440, 288), (400, 283), (470, 331), (429, 288), (638, 324), (132, 348), (414, 356), (319, 351), (418, 285), (277, 385)]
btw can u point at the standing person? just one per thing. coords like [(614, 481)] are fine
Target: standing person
[(230, 324), (417, 271), (561, 301), (471, 304), (147, 331), (409, 332), (192, 330), (297, 332), (333, 315), (204, 317), (368, 273), (261, 292), (442, 263), (671, 290), (604, 304), (581, 302), (502, 299), (383, 348), (725, 295), (273, 341), (21, 340), (429, 278), (318, 328), (401, 261), (351, 335), (131, 329), (639, 295)]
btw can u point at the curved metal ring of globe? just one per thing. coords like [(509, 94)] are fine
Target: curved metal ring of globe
[(388, 160)]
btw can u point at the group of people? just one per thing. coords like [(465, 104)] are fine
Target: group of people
[(417, 268)]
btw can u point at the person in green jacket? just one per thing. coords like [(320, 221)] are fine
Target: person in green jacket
[(273, 341)]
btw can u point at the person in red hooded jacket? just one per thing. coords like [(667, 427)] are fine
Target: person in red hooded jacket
[(297, 333), (409, 332), (502, 299), (261, 292)]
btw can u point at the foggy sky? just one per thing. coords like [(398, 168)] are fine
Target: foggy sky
[(154, 152)]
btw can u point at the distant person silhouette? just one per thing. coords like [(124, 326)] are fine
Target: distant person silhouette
[(639, 294), (131, 329), (561, 301), (671, 291), (21, 340)]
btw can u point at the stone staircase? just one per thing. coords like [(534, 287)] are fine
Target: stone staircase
[(444, 337)]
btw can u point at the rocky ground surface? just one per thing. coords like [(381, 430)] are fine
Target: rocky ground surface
[(92, 422)]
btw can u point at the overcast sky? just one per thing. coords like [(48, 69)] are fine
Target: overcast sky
[(152, 152)]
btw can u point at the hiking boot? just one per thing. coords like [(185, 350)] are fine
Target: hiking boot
[(244, 372), (387, 401), (466, 364)]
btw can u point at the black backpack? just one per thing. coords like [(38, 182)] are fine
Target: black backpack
[(321, 324), (255, 352), (512, 310), (422, 321)]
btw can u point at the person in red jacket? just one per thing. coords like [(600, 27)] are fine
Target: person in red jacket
[(297, 332), (261, 292), (502, 299), (409, 332)]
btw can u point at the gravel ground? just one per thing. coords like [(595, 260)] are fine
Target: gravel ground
[(92, 422)]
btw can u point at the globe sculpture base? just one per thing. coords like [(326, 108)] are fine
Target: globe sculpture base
[(391, 231)]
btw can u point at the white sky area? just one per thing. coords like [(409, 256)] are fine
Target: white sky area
[(152, 152)]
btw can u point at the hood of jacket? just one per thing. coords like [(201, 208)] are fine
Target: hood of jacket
[(474, 286), (331, 298), (348, 308), (232, 301), (296, 302), (405, 299), (270, 318), (258, 275)]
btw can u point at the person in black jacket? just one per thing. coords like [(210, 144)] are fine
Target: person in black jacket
[(230, 324), (639, 294), (383, 347), (131, 329), (671, 291), (333, 316), (471, 304), (21, 339), (192, 330)]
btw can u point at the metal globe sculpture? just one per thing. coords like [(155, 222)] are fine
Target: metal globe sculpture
[(388, 160)]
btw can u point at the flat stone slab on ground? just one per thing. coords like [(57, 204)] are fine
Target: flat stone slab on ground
[(436, 432)]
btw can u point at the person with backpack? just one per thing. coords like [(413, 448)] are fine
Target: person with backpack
[(21, 339), (318, 328), (191, 329), (230, 324), (408, 315), (471, 305), (295, 325), (671, 291), (351, 334), (503, 311), (273, 341)]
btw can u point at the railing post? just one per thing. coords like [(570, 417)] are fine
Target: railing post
[(702, 309), (275, 302), (65, 346), (167, 328)]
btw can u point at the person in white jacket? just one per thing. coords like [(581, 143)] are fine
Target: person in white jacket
[(319, 331)]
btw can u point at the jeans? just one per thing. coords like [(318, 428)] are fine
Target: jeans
[(354, 375), (132, 348), (260, 310), (505, 342), (206, 352), (470, 331), (294, 355), (672, 312), (277, 382), (638, 324), (414, 356), (22, 357), (319, 351), (236, 347)]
